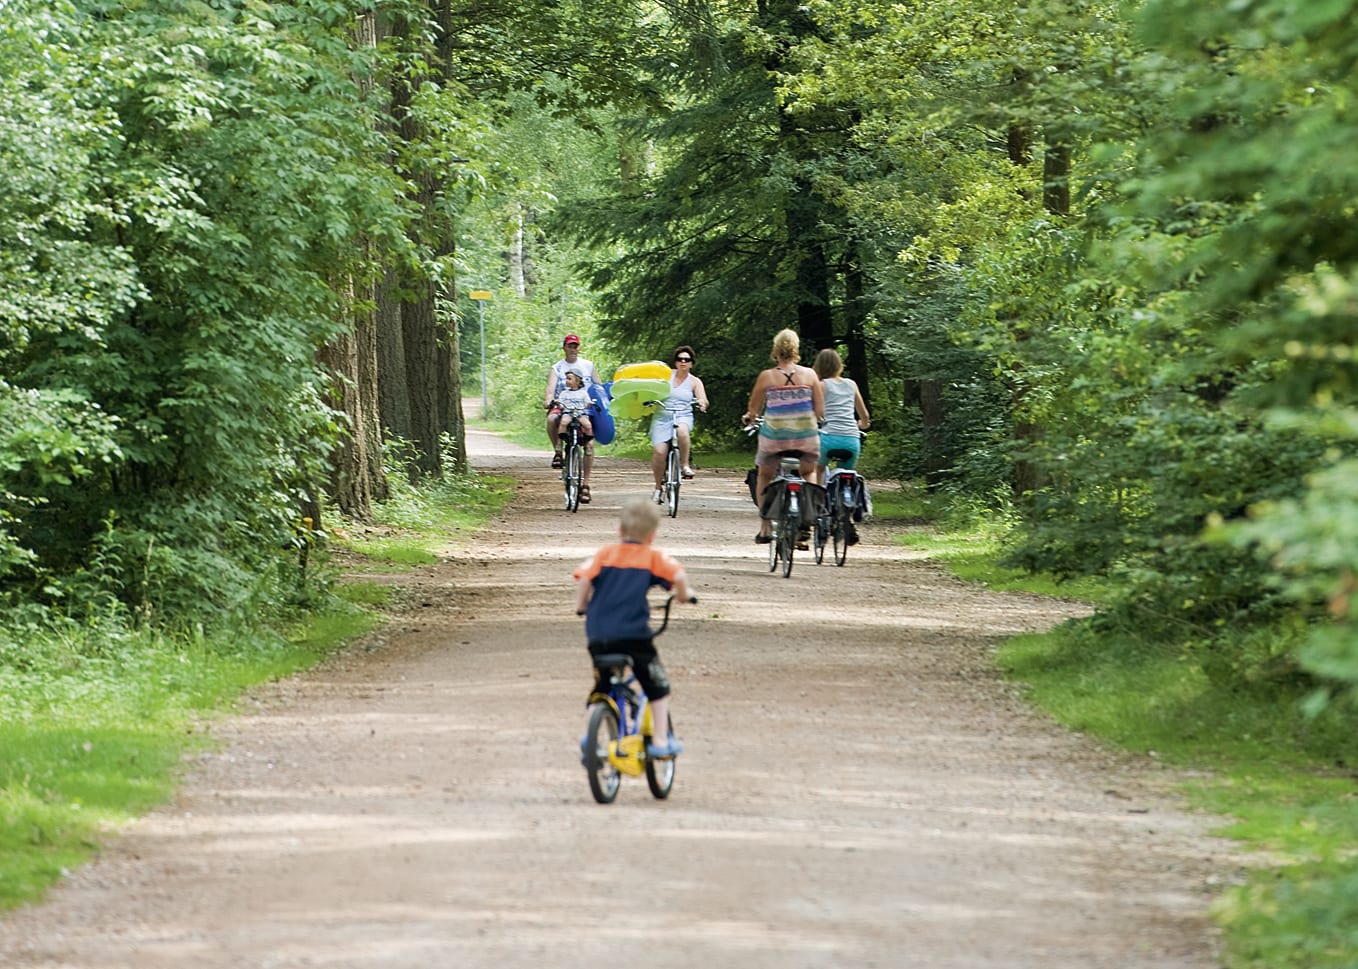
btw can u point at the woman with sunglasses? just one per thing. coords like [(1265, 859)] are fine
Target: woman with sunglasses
[(686, 392)]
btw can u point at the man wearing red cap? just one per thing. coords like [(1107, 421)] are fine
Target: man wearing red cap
[(556, 382)]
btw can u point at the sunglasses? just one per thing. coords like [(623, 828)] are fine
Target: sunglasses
[(683, 359)]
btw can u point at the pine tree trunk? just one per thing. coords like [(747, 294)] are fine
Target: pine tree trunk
[(348, 465), (425, 363), (373, 467), (392, 396)]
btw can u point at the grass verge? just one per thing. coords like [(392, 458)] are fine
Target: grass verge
[(95, 719), (93, 728), (1285, 780)]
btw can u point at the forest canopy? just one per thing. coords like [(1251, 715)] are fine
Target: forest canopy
[(1093, 263)]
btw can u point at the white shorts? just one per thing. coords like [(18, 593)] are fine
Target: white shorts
[(662, 425)]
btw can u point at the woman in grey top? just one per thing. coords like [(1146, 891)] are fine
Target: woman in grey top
[(846, 416)]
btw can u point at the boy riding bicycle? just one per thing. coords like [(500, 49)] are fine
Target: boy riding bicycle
[(611, 594)]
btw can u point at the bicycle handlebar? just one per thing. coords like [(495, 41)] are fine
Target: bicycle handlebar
[(665, 619), (660, 405)]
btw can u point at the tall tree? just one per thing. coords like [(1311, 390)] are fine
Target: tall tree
[(731, 234), (227, 168)]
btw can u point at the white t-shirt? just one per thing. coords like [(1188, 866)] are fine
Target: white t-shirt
[(581, 366), (574, 401)]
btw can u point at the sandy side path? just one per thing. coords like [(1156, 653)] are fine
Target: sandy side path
[(859, 789)]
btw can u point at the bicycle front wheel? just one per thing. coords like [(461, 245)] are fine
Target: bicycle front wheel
[(573, 473), (600, 735), (672, 479), (660, 773)]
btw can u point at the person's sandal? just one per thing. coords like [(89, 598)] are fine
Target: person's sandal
[(584, 494), (556, 459), (763, 539)]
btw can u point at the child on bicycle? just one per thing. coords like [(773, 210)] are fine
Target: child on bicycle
[(611, 594), (575, 401)]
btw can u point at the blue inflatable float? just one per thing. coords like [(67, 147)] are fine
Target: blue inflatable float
[(599, 415)]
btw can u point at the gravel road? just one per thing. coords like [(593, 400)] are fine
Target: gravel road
[(859, 788)]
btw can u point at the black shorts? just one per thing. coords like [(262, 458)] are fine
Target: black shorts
[(650, 672)]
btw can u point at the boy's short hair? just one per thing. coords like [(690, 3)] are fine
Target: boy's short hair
[(640, 519)]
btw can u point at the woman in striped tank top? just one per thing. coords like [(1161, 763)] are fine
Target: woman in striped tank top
[(792, 401)]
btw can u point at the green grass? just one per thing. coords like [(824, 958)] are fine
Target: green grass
[(418, 526), (1286, 783), (94, 736), (96, 719)]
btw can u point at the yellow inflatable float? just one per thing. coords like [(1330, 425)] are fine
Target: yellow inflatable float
[(635, 385)]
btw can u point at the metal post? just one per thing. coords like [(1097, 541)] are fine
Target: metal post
[(485, 400), (481, 295)]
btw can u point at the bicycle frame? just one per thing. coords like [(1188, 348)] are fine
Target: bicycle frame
[(836, 523), (572, 459), (620, 748), (673, 474), (673, 478), (633, 710), (789, 521), (787, 525)]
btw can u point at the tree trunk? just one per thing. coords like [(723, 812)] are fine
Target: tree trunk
[(392, 396), (452, 424), (373, 469), (516, 274), (348, 466), (804, 210), (425, 364), (357, 475), (1028, 477), (429, 403), (932, 415), (855, 314), (1056, 178)]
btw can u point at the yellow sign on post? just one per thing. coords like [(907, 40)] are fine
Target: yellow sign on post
[(481, 294)]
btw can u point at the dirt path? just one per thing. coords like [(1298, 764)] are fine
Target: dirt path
[(858, 790)]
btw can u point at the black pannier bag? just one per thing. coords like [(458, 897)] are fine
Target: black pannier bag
[(813, 501)]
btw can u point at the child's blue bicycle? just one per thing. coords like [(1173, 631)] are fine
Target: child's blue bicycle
[(620, 728)]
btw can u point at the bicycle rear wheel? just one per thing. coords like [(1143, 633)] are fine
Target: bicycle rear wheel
[(604, 778), (822, 536), (787, 533), (672, 481), (660, 773), (841, 506)]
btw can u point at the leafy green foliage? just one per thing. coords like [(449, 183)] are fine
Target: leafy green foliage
[(186, 184), (1244, 184)]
